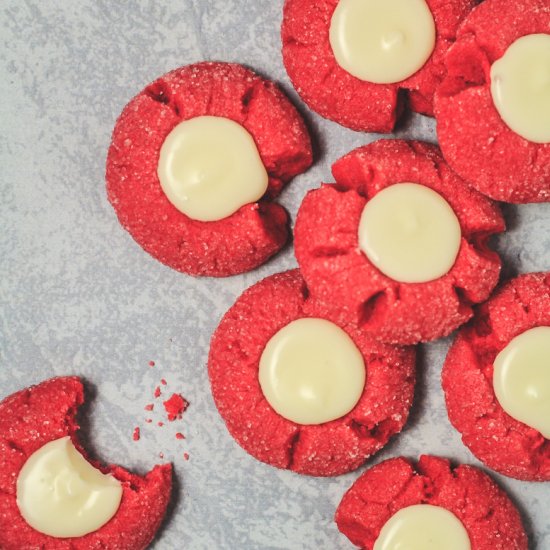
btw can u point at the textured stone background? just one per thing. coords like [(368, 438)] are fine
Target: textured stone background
[(78, 296)]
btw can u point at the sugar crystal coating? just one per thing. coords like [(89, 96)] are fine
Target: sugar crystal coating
[(503, 443), (489, 516), (327, 449), (256, 231), (45, 412)]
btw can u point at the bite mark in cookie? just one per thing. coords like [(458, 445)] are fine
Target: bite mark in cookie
[(40, 415)]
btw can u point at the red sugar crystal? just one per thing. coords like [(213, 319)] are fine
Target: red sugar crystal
[(163, 382), (157, 391), (135, 437), (186, 456), (180, 436), (149, 407), (151, 363)]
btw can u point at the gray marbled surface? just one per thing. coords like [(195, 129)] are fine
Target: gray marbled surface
[(78, 296)]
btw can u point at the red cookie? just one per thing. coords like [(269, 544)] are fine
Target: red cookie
[(339, 273), (503, 443), (476, 142), (241, 241), (337, 95), (489, 517), (35, 416), (326, 449)]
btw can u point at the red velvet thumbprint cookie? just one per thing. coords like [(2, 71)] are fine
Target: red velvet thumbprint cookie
[(493, 107), (195, 160), (350, 60), (397, 504), (301, 391), (52, 496), (496, 380), (398, 245)]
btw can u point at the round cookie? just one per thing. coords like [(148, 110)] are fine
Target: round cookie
[(490, 518), (339, 273), (242, 240), (46, 412), (327, 449), (503, 443), (336, 94), (474, 139)]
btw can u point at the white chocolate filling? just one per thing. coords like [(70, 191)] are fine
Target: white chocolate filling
[(410, 233), (312, 372), (60, 494), (423, 527), (521, 379), (209, 167), (382, 41), (520, 86)]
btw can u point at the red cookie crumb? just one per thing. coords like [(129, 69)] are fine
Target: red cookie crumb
[(337, 95), (503, 443), (136, 434), (327, 449), (37, 415), (475, 140), (337, 272), (488, 515), (255, 232), (175, 406)]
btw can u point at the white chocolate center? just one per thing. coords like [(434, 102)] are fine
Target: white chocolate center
[(311, 372), (410, 233), (382, 41), (520, 85), (423, 527), (61, 494), (521, 379), (209, 167)]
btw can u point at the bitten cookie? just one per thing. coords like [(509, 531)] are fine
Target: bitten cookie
[(496, 380), (40, 454), (398, 501), (493, 107), (343, 395), (350, 59), (399, 244), (194, 161)]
